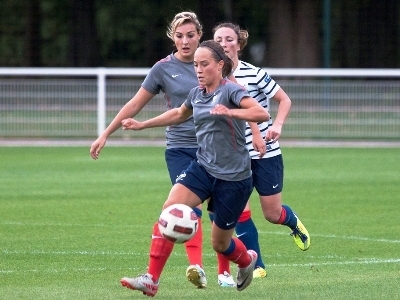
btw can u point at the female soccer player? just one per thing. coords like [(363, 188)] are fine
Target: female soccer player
[(267, 169), (175, 77), (222, 170)]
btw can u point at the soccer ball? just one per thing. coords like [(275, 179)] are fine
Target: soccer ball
[(178, 223)]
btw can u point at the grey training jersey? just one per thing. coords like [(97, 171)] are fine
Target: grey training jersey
[(175, 79), (261, 87), (222, 144)]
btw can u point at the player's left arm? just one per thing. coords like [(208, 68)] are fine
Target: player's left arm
[(170, 117), (284, 103)]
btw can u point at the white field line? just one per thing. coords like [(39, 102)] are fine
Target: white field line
[(363, 261), (98, 253), (332, 236), (350, 262)]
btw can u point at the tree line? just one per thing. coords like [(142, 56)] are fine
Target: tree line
[(131, 33)]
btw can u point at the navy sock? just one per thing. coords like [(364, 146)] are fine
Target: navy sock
[(198, 212), (247, 232), (211, 216), (230, 249), (290, 220)]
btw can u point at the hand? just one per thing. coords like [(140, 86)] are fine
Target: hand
[(131, 124), (259, 145), (220, 109), (273, 133), (96, 147)]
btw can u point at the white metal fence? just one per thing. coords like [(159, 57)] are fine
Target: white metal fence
[(79, 103)]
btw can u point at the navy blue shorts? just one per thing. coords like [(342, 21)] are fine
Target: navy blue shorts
[(268, 175), (229, 198), (178, 159)]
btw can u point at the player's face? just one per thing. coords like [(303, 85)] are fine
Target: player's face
[(186, 40), (228, 39), (207, 69)]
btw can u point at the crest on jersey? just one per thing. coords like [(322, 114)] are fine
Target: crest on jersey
[(214, 98), (267, 78)]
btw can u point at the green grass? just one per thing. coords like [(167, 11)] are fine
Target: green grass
[(71, 227)]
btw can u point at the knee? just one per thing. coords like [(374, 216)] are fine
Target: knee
[(272, 217), (219, 245), (272, 213), (219, 248)]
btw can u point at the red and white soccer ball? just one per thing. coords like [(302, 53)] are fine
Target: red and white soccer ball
[(178, 223)]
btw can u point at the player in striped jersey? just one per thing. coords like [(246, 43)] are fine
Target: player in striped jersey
[(267, 168)]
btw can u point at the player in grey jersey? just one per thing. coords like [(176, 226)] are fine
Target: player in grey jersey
[(268, 168), (175, 77), (222, 170)]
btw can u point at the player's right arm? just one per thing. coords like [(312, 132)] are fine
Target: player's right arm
[(130, 109), (170, 117)]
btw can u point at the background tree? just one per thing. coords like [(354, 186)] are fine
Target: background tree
[(33, 42), (83, 45), (131, 33)]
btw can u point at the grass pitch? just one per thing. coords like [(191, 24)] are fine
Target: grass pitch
[(71, 227)]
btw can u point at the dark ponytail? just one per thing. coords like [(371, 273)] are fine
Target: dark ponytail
[(218, 54)]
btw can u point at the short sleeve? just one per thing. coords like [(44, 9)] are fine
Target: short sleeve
[(237, 93), (153, 81), (190, 98), (266, 84)]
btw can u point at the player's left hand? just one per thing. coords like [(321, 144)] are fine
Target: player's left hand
[(259, 145)]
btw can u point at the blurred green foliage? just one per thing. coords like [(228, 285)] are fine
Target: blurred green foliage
[(131, 33)]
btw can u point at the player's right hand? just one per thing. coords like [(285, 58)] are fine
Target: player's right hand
[(96, 147)]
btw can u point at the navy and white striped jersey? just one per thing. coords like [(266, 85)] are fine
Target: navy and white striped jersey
[(261, 87)]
